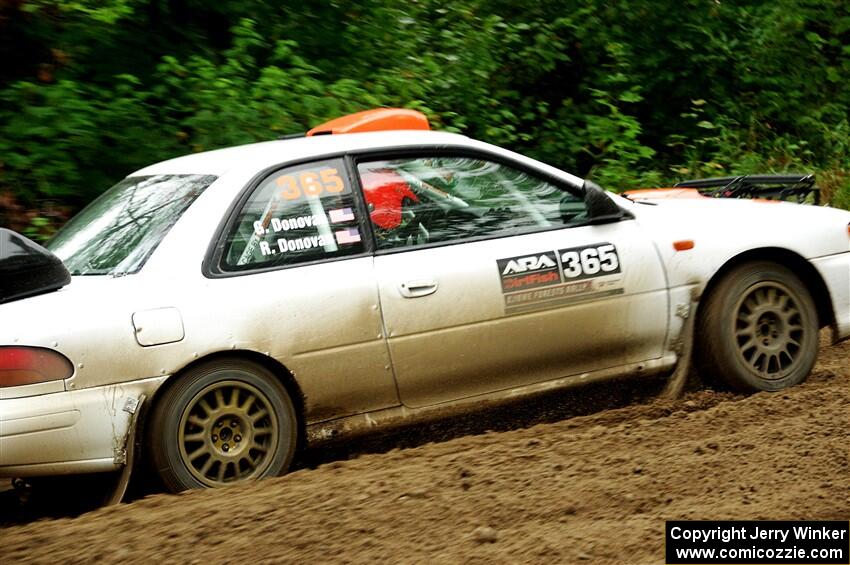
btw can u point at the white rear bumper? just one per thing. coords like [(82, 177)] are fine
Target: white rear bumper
[(69, 432)]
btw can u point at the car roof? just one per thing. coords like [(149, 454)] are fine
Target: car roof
[(270, 153)]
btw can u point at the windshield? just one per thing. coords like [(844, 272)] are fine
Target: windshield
[(115, 234)]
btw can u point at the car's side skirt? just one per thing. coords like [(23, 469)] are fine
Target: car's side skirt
[(387, 418)]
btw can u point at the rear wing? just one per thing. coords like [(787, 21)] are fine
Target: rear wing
[(795, 188)]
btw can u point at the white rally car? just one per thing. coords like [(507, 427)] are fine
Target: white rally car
[(227, 307)]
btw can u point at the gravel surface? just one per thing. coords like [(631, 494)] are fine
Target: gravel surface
[(586, 476)]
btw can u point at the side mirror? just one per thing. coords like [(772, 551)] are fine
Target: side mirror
[(599, 204), (27, 269)]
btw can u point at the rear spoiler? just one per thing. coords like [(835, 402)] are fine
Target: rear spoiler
[(796, 188)]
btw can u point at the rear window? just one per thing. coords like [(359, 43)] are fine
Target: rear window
[(115, 234)]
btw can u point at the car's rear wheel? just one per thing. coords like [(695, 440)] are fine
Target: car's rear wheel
[(758, 329), (223, 422)]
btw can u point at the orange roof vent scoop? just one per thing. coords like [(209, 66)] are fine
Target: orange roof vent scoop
[(380, 119)]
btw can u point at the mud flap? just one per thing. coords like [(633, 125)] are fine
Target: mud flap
[(130, 450), (676, 383)]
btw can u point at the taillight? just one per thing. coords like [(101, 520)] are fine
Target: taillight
[(30, 365)]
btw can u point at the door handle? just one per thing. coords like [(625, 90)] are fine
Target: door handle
[(417, 288)]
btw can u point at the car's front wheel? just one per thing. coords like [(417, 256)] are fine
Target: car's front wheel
[(758, 329), (221, 423)]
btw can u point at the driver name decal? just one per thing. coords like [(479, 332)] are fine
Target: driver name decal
[(298, 244), (550, 279), (276, 225)]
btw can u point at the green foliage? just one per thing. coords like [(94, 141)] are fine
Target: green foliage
[(106, 12), (632, 93)]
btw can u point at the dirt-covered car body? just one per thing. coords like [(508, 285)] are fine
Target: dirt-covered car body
[(364, 327)]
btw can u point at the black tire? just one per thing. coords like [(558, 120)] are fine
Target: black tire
[(221, 423), (758, 329)]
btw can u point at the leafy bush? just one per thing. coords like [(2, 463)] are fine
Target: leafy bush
[(646, 92)]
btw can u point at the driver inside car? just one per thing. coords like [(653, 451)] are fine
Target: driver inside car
[(391, 199), (407, 207), (386, 192)]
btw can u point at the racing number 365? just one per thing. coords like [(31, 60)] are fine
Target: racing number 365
[(590, 261), (310, 183)]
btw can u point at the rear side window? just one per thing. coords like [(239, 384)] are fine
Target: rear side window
[(299, 214), (115, 234)]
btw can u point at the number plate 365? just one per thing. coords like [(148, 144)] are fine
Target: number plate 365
[(595, 260)]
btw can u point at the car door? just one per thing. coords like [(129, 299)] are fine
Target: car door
[(293, 277), (484, 285)]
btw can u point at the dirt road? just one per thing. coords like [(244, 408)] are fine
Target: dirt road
[(593, 488)]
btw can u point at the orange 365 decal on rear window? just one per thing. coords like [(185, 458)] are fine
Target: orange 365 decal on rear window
[(310, 183)]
